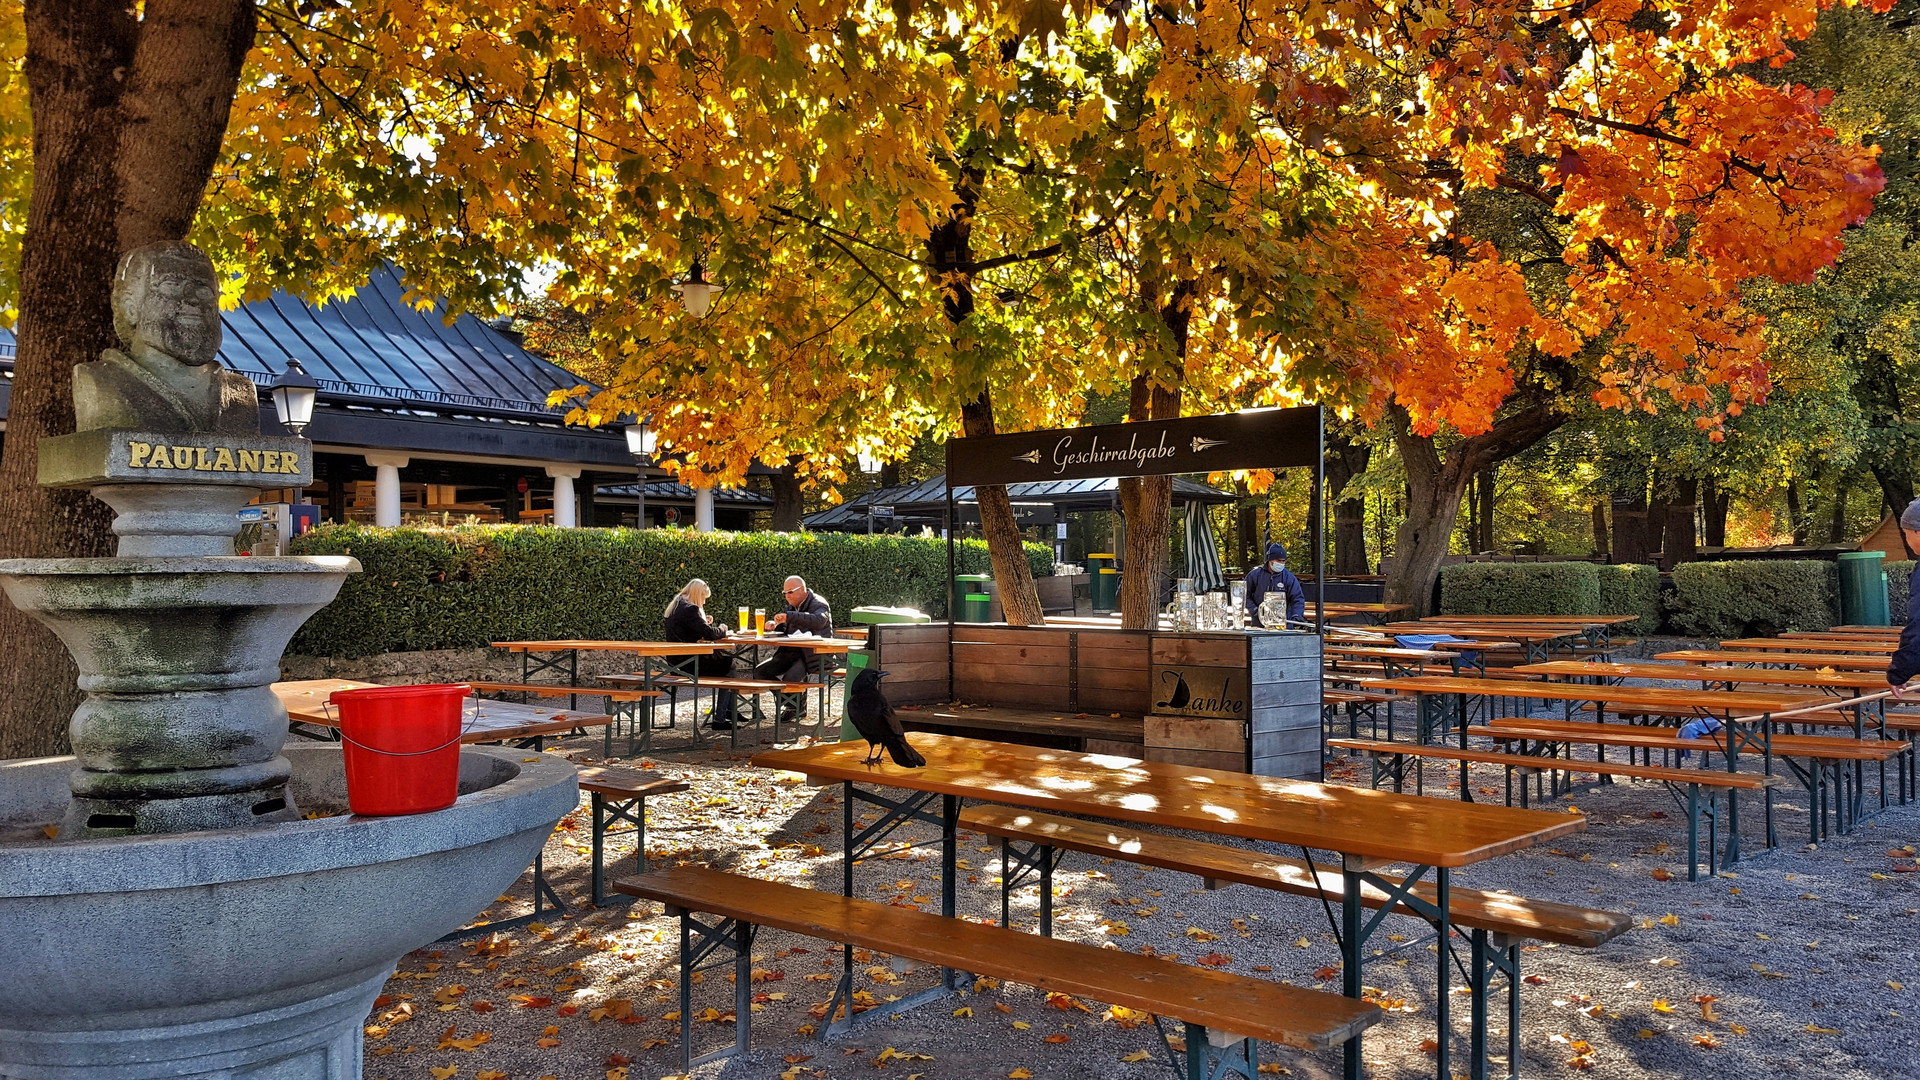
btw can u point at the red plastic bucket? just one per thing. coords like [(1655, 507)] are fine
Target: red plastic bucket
[(402, 747)]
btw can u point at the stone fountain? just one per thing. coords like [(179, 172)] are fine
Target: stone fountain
[(184, 896)]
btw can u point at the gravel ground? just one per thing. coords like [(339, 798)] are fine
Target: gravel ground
[(1808, 956)]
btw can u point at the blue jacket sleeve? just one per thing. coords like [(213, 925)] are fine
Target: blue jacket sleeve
[(1906, 662), (1256, 592), (1296, 596)]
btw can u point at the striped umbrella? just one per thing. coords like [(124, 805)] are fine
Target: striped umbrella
[(1203, 557)]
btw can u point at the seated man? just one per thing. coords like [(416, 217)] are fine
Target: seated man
[(806, 614), (1264, 579)]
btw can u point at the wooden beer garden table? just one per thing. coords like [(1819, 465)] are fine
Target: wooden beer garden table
[(657, 659), (482, 721), (1843, 644), (1539, 642), (1369, 829), (1838, 661), (1597, 628), (1712, 678), (742, 643), (1374, 612)]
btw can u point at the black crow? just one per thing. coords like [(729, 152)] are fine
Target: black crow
[(873, 718)]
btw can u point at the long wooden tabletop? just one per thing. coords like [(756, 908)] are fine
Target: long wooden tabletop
[(642, 648), (1477, 633), (1536, 620), (1353, 821), (1837, 661), (1838, 680), (811, 644), (1716, 702), (482, 721), (1838, 645), (1389, 652)]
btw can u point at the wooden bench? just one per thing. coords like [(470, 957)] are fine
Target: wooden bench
[(1499, 923), (1390, 759), (616, 699), (621, 795), (1097, 733), (749, 689), (1210, 1003), (1359, 703)]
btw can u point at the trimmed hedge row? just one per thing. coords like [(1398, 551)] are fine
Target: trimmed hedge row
[(1709, 599), (1899, 590), (444, 588), (1551, 588), (1753, 599)]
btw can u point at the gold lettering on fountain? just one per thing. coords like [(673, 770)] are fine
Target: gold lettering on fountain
[(142, 455)]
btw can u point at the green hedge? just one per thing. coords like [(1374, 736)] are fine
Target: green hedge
[(431, 588), (1756, 598), (1899, 590), (1631, 589), (1549, 588)]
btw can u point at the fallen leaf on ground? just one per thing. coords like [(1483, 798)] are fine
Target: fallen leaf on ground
[(1137, 1055), (1020, 1074), (444, 1073)]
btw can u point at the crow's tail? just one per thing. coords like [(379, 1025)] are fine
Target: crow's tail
[(903, 753)]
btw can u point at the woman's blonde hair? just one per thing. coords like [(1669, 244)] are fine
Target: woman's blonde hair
[(686, 594)]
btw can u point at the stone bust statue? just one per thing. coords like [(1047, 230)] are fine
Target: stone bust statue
[(166, 311)]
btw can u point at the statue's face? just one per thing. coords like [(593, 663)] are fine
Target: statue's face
[(180, 312)]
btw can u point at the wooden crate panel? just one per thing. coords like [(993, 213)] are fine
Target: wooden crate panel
[(1046, 696), (1202, 759), (1113, 748), (1196, 690), (1014, 676), (1095, 699), (1286, 718), (916, 693), (975, 634), (896, 652), (1266, 695), (1215, 651), (1280, 743), (1114, 640), (1279, 646), (1289, 766), (1134, 679), (913, 673), (1186, 732), (1045, 655), (1286, 669), (1113, 659), (908, 633)]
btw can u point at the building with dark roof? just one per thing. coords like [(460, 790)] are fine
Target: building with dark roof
[(424, 420), (914, 506)]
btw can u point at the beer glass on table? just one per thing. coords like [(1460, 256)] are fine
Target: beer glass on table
[(760, 620)]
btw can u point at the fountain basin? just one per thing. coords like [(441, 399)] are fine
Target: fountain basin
[(244, 954)]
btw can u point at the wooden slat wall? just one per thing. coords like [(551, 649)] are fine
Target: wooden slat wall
[(1035, 668), (915, 659)]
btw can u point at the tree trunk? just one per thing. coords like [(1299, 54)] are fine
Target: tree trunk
[(1435, 488), (787, 500), (1019, 597), (1796, 521), (1837, 525), (1246, 536), (1486, 485), (1347, 459), (950, 245), (1630, 529), (889, 474), (128, 118), (1147, 503), (1600, 546), (1713, 524), (1677, 546)]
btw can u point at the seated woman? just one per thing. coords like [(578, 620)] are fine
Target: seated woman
[(687, 621)]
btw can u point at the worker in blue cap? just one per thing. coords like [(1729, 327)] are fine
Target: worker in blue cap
[(1270, 575), (1906, 663)]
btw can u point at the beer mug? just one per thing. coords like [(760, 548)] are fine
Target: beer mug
[(759, 620), (746, 614)]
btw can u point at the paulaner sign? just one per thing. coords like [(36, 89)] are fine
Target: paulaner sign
[(108, 455), (1262, 439)]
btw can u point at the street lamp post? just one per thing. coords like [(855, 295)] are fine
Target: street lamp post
[(640, 443), (869, 464)]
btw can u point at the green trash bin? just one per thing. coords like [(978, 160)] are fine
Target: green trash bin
[(1863, 589), (976, 607), (860, 659), (1106, 589)]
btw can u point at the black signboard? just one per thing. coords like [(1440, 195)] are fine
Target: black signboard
[(1263, 439)]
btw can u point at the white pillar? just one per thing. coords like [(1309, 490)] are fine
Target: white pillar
[(386, 487), (703, 509), (566, 513)]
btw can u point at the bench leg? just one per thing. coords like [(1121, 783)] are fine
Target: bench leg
[(1206, 1061), (697, 942), (1015, 865), (1491, 954), (605, 812)]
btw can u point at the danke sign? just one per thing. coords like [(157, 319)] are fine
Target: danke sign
[(1261, 439)]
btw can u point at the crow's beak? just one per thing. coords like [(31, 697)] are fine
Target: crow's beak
[(884, 674)]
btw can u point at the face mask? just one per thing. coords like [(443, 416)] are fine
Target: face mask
[(1276, 566)]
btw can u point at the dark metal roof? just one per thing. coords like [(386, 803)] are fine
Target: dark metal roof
[(928, 498), (671, 491), (374, 348)]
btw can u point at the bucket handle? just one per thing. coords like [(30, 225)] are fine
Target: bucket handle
[(465, 728)]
